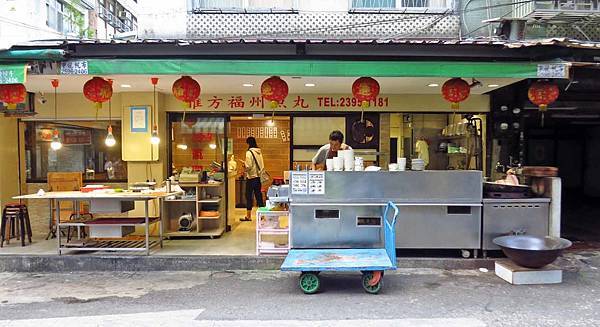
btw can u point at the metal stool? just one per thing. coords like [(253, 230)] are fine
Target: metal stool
[(15, 215)]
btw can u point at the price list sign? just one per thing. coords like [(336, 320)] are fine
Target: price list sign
[(316, 182), (299, 182)]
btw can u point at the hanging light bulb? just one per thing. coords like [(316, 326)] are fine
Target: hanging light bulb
[(110, 138), (154, 139), (56, 144), (182, 146), (212, 146)]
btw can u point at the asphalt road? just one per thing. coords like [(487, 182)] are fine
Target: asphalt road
[(411, 297)]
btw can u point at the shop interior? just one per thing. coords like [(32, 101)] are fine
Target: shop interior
[(206, 219)]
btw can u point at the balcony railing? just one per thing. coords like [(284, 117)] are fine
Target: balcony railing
[(122, 25), (549, 9), (391, 5)]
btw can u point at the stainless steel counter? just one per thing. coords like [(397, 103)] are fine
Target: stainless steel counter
[(513, 216), (439, 209)]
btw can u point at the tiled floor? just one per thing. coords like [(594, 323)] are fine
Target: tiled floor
[(240, 241)]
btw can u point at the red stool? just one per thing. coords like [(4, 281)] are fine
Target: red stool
[(15, 215)]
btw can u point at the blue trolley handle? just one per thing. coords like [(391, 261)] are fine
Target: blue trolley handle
[(390, 232), (396, 211)]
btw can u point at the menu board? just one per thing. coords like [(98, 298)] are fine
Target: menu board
[(299, 182), (316, 182)]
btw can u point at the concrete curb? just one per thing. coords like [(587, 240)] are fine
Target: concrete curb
[(78, 263)]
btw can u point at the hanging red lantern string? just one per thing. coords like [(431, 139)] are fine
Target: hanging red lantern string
[(186, 89), (11, 94), (274, 89), (543, 93), (456, 90), (97, 90), (365, 90)]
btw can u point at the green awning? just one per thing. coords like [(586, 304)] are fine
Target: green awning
[(318, 68), (13, 73), (38, 54)]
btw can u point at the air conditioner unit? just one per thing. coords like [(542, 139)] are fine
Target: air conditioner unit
[(122, 14)]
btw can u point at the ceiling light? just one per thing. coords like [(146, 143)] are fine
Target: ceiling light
[(493, 85), (309, 84), (249, 117), (212, 146), (182, 146), (110, 138), (433, 85), (125, 85), (247, 85), (154, 139), (56, 144)]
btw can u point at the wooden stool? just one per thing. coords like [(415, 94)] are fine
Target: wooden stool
[(15, 215)]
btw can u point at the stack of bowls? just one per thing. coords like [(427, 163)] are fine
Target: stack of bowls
[(417, 164)]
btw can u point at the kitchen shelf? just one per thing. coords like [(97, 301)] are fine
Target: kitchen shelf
[(273, 250), (210, 200), (274, 231), (272, 219), (215, 232), (214, 217), (207, 197)]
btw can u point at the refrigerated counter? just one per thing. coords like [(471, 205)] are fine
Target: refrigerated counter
[(438, 209)]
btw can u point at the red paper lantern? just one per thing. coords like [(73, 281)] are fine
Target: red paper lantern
[(275, 90), (11, 94), (543, 93), (97, 90), (365, 90), (455, 91), (186, 89)]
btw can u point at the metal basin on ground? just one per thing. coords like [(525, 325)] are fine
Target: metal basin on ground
[(532, 251)]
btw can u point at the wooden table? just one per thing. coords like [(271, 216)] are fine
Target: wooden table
[(106, 199)]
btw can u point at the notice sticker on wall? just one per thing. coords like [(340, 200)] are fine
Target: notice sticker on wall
[(299, 182), (316, 182)]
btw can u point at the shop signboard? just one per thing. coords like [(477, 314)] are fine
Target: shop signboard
[(323, 102), (77, 137), (293, 102)]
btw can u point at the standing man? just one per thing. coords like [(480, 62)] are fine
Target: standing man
[(328, 151)]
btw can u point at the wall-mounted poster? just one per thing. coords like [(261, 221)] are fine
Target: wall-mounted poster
[(139, 119)]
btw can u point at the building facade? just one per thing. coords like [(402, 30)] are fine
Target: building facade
[(26, 20)]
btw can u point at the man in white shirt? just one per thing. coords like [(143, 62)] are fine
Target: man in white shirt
[(329, 151)]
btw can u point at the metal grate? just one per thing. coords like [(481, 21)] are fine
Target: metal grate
[(321, 26)]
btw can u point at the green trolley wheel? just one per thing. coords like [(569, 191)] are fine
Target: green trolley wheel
[(309, 282), (366, 283)]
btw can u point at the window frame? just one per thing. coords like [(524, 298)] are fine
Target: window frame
[(245, 8), (63, 123)]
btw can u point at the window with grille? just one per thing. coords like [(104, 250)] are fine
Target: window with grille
[(258, 5), (401, 4)]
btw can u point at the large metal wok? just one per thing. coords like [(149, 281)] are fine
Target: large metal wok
[(532, 251)]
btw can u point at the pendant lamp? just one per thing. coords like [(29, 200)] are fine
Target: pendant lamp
[(56, 143), (154, 138), (110, 138)]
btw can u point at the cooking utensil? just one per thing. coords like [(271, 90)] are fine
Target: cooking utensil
[(532, 251), (496, 187)]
